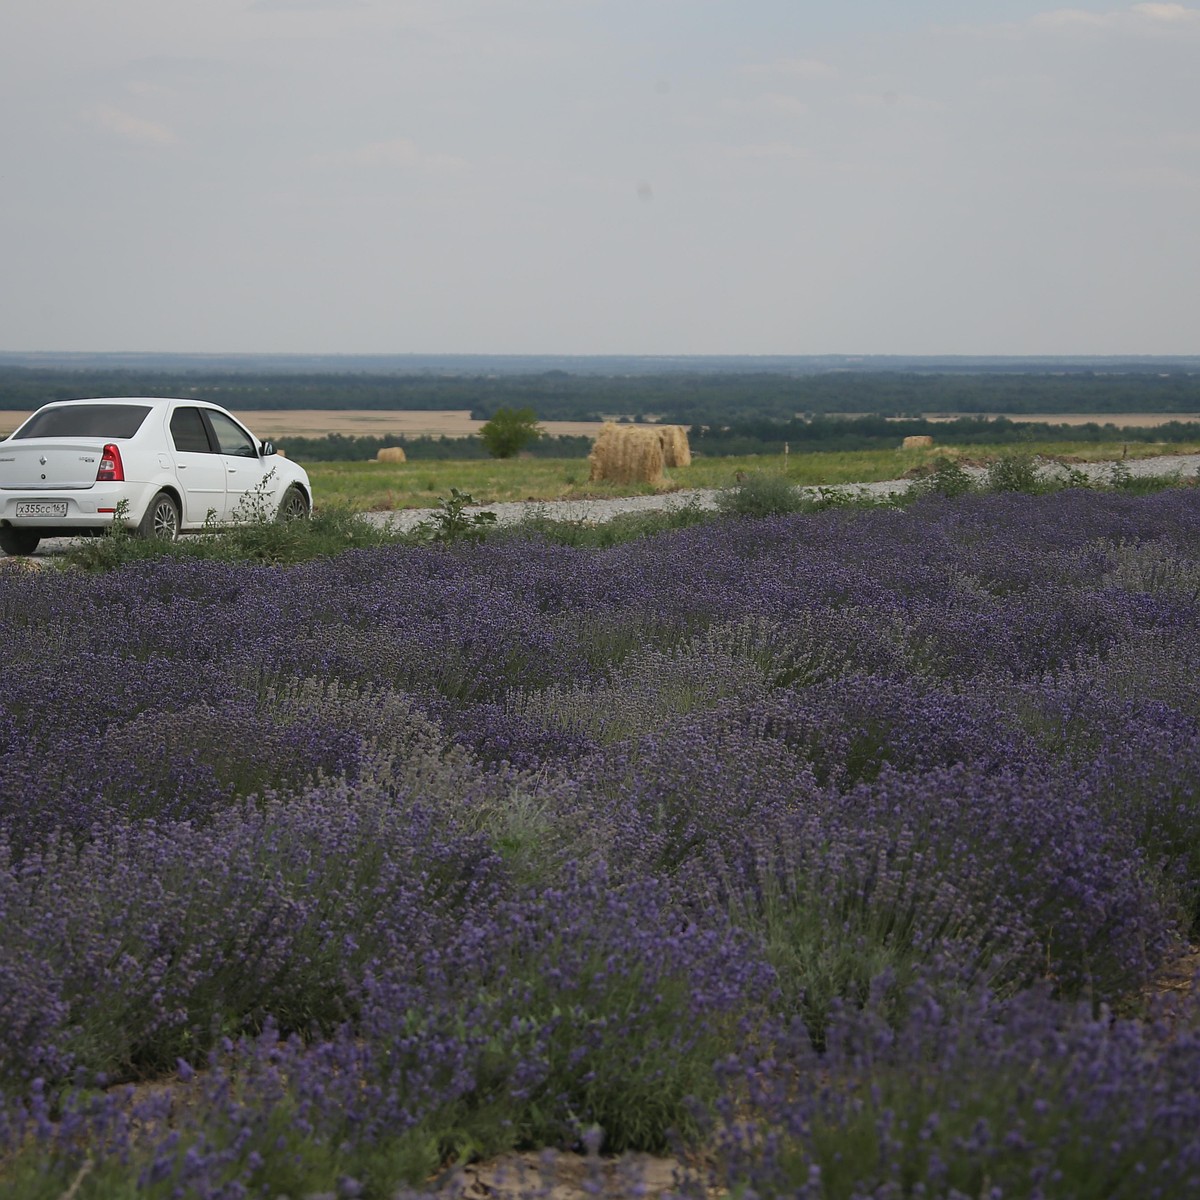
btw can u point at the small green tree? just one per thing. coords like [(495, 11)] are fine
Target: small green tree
[(510, 430)]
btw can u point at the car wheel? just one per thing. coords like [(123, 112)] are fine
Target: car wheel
[(294, 505), (18, 541), (161, 519)]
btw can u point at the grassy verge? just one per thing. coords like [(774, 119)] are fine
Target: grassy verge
[(373, 487)]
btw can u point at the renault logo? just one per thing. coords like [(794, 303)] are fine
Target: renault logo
[(42, 460)]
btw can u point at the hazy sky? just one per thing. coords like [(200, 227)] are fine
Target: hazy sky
[(600, 176)]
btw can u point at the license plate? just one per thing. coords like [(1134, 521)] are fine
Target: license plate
[(41, 509)]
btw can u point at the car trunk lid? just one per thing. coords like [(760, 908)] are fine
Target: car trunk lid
[(46, 464)]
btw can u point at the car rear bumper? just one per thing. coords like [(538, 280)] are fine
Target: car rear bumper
[(70, 511)]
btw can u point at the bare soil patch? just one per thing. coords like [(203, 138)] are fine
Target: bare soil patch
[(558, 1175), (1179, 978)]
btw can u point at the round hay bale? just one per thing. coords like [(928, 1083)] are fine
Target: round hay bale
[(626, 454), (921, 441), (602, 450), (391, 454), (676, 451)]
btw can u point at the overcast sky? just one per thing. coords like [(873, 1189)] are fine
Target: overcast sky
[(600, 176)]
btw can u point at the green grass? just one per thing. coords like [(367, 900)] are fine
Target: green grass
[(371, 486), (375, 487)]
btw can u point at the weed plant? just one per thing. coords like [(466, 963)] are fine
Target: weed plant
[(1141, 485), (760, 495), (624, 527), (452, 522), (946, 478), (1016, 473)]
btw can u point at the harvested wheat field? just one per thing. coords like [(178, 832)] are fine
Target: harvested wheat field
[(356, 422)]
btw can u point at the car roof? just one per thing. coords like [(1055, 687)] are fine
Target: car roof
[(134, 400)]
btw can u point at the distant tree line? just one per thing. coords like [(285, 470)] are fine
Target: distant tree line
[(761, 436), (712, 399), (337, 447)]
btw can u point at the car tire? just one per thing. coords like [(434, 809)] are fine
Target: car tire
[(294, 506), (18, 541), (161, 519)]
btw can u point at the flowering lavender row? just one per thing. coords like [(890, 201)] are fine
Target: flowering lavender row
[(458, 849), (976, 1098), (1023, 1098)]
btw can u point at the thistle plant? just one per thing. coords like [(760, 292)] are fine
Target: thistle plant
[(451, 522)]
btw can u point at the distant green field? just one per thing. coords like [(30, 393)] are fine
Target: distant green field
[(370, 486)]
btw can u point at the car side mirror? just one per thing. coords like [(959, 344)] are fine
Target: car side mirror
[(268, 448)]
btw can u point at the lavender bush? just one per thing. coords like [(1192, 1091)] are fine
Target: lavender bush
[(1023, 1098), (170, 937)]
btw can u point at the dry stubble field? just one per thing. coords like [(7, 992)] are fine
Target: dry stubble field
[(315, 422)]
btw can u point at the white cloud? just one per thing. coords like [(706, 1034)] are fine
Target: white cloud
[(1132, 18), (1138, 18), (770, 104), (395, 152), (305, 5), (147, 90), (131, 128), (795, 68), (1167, 12), (1074, 18), (894, 99), (769, 151)]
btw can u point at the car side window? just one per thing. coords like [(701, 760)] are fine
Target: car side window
[(231, 437), (188, 432)]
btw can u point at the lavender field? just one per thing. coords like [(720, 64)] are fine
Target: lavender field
[(839, 854)]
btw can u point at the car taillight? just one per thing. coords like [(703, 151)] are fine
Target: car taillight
[(112, 470)]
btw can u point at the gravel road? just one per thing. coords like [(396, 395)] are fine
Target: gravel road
[(598, 511)]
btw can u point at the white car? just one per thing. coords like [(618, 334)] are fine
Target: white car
[(162, 466)]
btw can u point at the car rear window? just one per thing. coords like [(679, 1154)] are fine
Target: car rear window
[(85, 420)]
